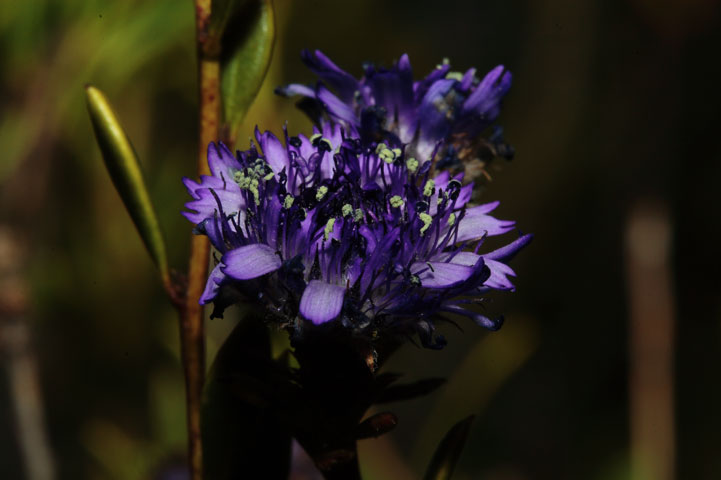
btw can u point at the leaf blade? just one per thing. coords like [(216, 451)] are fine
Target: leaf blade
[(449, 451), (248, 38), (122, 164)]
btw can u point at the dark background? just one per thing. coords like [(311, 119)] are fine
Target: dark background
[(614, 114)]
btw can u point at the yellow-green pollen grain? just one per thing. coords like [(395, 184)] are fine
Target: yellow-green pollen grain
[(358, 215), (412, 165), (328, 228), (451, 219), (288, 201), (386, 154), (396, 201), (454, 76), (248, 182), (317, 138), (250, 179), (347, 209), (427, 220), (428, 188), (253, 187), (322, 190)]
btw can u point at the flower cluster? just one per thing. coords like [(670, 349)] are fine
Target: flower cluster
[(346, 226), (444, 114)]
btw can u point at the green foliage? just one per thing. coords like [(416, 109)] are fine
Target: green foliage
[(449, 451), (247, 33), (124, 169)]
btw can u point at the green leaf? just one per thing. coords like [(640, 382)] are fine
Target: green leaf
[(242, 437), (449, 451), (247, 29), (124, 169)]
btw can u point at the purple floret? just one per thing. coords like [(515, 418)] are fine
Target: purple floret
[(445, 112), (332, 228)]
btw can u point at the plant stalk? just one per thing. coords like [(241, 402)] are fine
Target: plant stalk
[(191, 321)]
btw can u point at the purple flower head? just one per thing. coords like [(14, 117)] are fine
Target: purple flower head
[(444, 113), (329, 228)]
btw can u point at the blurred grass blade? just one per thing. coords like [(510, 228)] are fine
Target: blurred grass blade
[(246, 47), (122, 163), (449, 451)]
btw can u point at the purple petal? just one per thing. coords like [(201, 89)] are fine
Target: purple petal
[(275, 153), (476, 224), (306, 149), (206, 181), (212, 227), (488, 207), (335, 106), (485, 99), (467, 80), (393, 90), (499, 275), (370, 237), (441, 275), (329, 72), (499, 272), (442, 179), (205, 205), (433, 111), (379, 255), (468, 259), (295, 89), (421, 87), (332, 133), (250, 261), (507, 252), (480, 319), (221, 160), (464, 195), (321, 302), (212, 286)]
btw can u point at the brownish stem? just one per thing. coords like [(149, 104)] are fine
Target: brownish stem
[(193, 351), (191, 321)]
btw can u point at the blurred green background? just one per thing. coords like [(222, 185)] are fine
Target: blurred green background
[(609, 364)]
